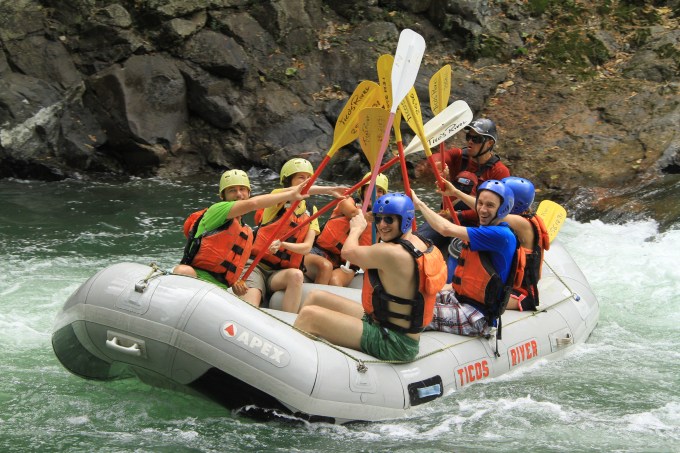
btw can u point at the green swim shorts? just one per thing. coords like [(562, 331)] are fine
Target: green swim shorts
[(386, 344)]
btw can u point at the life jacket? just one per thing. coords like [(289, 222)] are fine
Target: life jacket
[(335, 232), (282, 259), (483, 287), (430, 278), (534, 263), (465, 161), (222, 252)]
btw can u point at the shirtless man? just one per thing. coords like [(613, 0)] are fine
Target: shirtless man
[(394, 308)]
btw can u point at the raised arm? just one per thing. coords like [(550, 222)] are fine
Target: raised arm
[(439, 223), (452, 191), (280, 197)]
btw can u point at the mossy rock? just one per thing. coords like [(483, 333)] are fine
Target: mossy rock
[(575, 52)]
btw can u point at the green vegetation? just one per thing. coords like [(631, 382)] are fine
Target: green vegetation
[(563, 11), (573, 51), (484, 46), (639, 38), (635, 12)]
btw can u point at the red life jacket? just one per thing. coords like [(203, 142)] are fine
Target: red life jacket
[(430, 278), (282, 259), (483, 284), (335, 232), (534, 263), (222, 252)]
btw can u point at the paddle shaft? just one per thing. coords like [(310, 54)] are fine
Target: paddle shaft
[(286, 215), (378, 160), (440, 182), (334, 202)]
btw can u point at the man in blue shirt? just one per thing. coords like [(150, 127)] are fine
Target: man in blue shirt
[(481, 277)]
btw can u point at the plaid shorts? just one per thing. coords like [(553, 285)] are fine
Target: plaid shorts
[(452, 316)]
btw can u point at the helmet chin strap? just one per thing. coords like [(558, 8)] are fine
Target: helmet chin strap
[(480, 152)]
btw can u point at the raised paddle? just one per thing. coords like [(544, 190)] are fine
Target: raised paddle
[(410, 109), (384, 66), (450, 121), (372, 121), (440, 91), (330, 205), (408, 56), (345, 132), (553, 216)]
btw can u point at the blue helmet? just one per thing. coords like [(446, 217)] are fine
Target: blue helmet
[(524, 192), (398, 204), (503, 191)]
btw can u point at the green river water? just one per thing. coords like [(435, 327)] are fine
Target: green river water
[(618, 392)]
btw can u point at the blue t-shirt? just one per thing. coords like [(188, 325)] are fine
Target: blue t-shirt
[(499, 240)]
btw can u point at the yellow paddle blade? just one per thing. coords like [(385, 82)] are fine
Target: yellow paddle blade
[(346, 130), (440, 89), (384, 66), (410, 110), (372, 123), (553, 216)]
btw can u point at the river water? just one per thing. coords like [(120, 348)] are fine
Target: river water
[(618, 392)]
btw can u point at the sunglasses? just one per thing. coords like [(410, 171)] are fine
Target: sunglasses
[(388, 219), (474, 138)]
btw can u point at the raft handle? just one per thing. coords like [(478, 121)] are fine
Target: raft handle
[(566, 341), (130, 350)]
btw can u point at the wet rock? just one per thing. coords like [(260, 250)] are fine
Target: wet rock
[(217, 54), (142, 106)]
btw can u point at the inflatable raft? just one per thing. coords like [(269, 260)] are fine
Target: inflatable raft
[(178, 332)]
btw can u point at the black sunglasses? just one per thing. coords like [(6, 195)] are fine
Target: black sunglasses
[(474, 138), (389, 220)]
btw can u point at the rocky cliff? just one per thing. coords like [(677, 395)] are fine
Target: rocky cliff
[(585, 94)]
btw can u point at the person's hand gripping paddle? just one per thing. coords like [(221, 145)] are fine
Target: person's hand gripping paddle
[(372, 122), (410, 109), (345, 132)]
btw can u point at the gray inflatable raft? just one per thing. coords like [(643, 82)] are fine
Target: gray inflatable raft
[(178, 332)]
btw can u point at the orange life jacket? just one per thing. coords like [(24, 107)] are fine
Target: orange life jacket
[(534, 263), (282, 259), (222, 252), (335, 232), (483, 287), (430, 278)]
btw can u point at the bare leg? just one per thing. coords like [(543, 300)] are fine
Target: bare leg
[(341, 278), (320, 269), (289, 280), (183, 269), (335, 318), (253, 296)]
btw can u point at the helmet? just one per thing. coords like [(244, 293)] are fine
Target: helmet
[(466, 182), (297, 165), (398, 204), (380, 181), (524, 192), (484, 127), (503, 191), (234, 178), (455, 246)]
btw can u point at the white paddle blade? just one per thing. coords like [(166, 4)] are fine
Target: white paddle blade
[(410, 50), (451, 120)]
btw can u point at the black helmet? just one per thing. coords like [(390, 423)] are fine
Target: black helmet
[(484, 127)]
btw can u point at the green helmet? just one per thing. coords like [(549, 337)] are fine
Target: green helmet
[(234, 178), (296, 165), (380, 181)]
